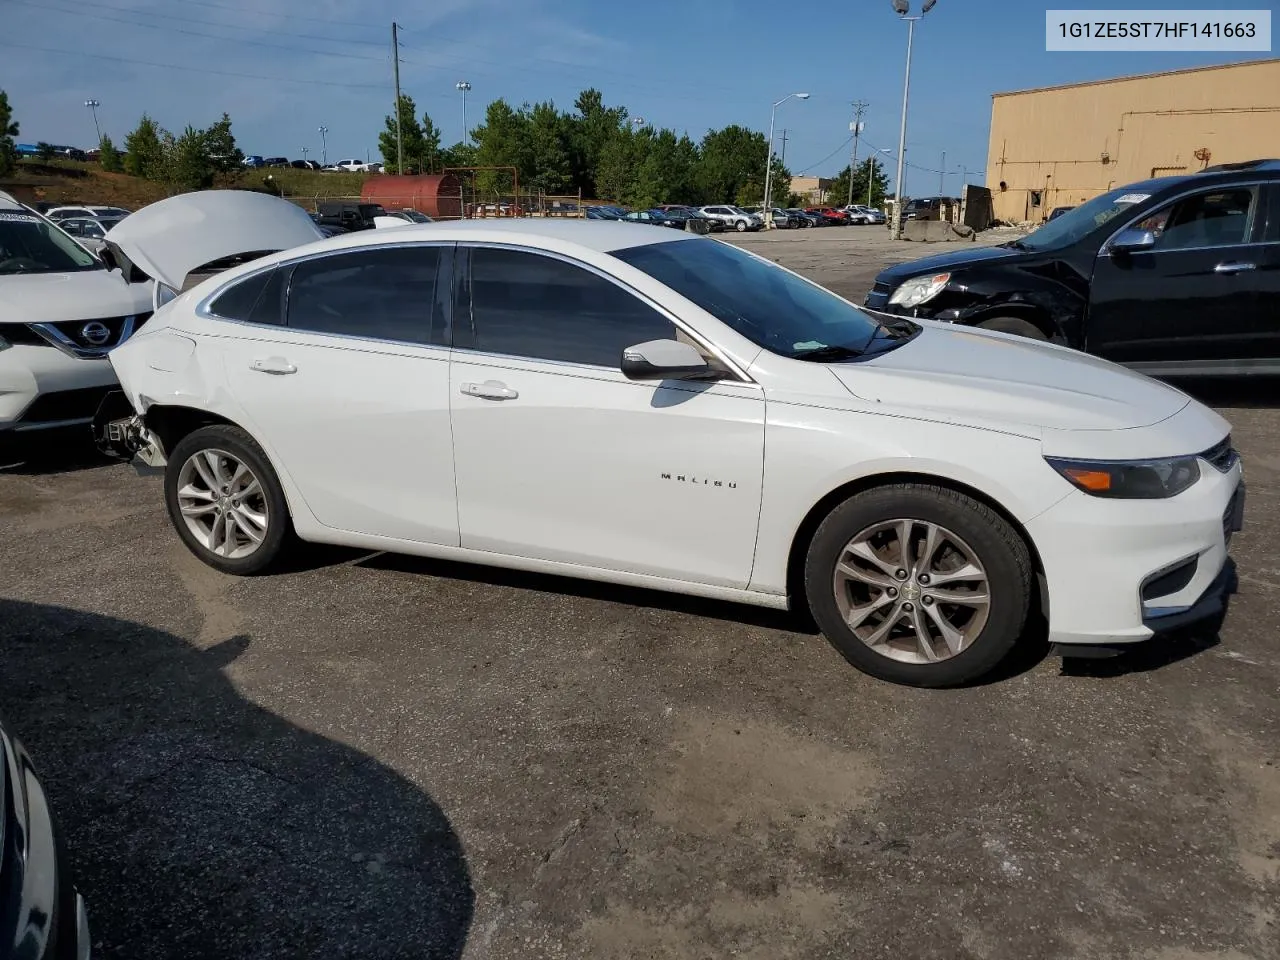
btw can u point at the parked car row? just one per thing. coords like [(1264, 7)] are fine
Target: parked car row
[(342, 166)]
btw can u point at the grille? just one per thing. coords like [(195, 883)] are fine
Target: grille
[(86, 338), (1222, 455), (63, 405)]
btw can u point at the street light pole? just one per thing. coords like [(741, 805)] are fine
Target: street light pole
[(324, 148), (768, 162), (903, 9), (463, 86), (94, 105)]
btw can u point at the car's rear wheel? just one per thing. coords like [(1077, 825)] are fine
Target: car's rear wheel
[(919, 584), (740, 226), (225, 500), (1016, 325)]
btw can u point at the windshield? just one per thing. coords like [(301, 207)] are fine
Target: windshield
[(31, 245), (771, 307), (1078, 223), (415, 217)]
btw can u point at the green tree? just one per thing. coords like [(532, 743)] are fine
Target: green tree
[(838, 194), (589, 130), (546, 161), (189, 164), (732, 159), (411, 141), (44, 151), (501, 141), (144, 150), (220, 146), (666, 171), (616, 173), (108, 156), (431, 157), (458, 155), (8, 130)]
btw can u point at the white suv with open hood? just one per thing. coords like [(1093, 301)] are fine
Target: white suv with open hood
[(61, 310), (659, 409)]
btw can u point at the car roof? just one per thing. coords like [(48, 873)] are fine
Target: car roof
[(599, 235)]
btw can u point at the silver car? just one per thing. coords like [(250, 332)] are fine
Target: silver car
[(734, 218)]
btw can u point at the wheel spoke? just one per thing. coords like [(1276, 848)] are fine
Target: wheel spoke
[(252, 489), (857, 615), (206, 473), (964, 597), (865, 576), (197, 509), (246, 514), (969, 571), (863, 549), (250, 527), (953, 637), (923, 641), (905, 559), (924, 562), (192, 492), (217, 464), (882, 632), (240, 472)]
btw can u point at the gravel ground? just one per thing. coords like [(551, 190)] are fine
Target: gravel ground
[(374, 756)]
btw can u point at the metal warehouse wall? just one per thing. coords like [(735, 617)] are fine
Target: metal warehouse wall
[(1063, 145)]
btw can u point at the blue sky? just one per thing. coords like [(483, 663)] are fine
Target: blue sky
[(292, 65)]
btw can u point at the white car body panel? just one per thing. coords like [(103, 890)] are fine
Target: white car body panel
[(576, 470), (170, 238)]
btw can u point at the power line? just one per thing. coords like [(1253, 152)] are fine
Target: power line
[(215, 23), (174, 66), (289, 16), (196, 33), (810, 166)]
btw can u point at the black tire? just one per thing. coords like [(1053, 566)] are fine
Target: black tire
[(279, 534), (997, 545), (1016, 325)]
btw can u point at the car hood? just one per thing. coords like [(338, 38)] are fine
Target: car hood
[(169, 239), (85, 295), (944, 262), (1025, 386)]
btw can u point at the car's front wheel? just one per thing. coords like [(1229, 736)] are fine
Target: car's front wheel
[(919, 584), (1015, 325), (226, 501), (740, 226)]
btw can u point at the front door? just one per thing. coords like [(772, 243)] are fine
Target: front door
[(560, 457), (348, 388), (1192, 300)]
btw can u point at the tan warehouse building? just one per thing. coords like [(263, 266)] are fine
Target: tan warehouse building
[(1058, 146)]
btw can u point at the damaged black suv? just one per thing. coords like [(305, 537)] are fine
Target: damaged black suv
[(1177, 276)]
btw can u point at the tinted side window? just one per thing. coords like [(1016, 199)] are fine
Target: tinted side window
[(527, 305), (256, 299), (384, 294), (1211, 219)]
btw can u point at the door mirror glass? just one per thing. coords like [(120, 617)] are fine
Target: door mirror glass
[(1132, 240), (664, 360)]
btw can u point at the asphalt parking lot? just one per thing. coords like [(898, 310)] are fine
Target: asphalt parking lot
[(377, 756)]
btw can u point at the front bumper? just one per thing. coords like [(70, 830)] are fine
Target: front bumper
[(1122, 571), (42, 388)]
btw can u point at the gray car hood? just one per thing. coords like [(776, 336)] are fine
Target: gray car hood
[(79, 295), (169, 239)]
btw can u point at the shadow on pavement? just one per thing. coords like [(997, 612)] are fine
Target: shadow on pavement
[(201, 825), (798, 622)]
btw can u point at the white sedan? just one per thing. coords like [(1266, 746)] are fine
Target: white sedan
[(665, 410)]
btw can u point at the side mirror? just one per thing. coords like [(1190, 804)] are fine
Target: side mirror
[(1132, 240), (664, 360)]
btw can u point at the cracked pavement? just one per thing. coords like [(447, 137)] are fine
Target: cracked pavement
[(380, 756)]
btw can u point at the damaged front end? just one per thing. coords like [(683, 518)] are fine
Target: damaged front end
[(121, 432)]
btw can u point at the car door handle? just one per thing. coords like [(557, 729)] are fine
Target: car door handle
[(278, 366), (1234, 267), (489, 390)]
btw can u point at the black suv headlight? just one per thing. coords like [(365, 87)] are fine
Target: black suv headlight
[(1130, 479)]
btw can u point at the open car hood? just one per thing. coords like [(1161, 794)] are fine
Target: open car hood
[(169, 239)]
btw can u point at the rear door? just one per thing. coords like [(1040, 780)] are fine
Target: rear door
[(341, 370), (1192, 302)]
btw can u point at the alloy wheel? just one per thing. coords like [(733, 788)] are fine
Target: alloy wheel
[(222, 503), (912, 590)]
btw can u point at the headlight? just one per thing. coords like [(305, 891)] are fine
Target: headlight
[(920, 290), (1130, 480)]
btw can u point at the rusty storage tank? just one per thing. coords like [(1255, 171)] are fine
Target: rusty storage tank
[(436, 195)]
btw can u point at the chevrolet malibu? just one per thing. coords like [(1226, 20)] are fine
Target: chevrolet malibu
[(665, 410)]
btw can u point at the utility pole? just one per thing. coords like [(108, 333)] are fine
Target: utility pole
[(942, 176), (395, 64), (859, 108), (783, 158)]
